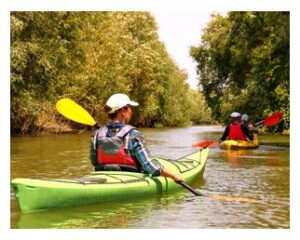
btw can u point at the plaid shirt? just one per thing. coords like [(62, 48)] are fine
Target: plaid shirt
[(136, 148)]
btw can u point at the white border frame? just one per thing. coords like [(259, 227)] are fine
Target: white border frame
[(146, 5)]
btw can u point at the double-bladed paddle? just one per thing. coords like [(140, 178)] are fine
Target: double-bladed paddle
[(269, 121), (73, 111), (205, 144)]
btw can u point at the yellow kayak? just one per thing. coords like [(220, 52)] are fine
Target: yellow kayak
[(240, 144)]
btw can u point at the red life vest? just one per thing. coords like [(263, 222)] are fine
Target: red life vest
[(236, 133), (111, 150)]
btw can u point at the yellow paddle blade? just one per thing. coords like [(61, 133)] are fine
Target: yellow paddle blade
[(234, 199), (71, 110)]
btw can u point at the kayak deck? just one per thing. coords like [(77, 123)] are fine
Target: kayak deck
[(42, 194)]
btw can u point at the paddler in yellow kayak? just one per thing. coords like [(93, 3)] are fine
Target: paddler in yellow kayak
[(119, 146), (245, 121), (236, 130)]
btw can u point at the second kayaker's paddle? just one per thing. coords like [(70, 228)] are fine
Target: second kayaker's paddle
[(269, 121), (205, 144), (73, 111)]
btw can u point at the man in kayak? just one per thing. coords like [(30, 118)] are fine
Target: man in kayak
[(121, 147), (235, 130)]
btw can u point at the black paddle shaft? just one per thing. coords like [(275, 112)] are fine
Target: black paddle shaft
[(185, 185), (97, 125)]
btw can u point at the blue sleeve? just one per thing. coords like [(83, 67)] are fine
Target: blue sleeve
[(139, 151), (93, 150)]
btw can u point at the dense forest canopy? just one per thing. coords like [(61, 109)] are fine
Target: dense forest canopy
[(87, 56), (243, 64)]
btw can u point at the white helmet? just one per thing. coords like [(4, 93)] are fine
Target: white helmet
[(245, 117)]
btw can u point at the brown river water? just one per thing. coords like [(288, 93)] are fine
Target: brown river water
[(262, 174)]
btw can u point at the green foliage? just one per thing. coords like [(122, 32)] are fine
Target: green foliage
[(88, 56), (243, 64)]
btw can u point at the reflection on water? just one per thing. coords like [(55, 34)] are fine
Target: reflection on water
[(104, 215), (252, 157), (261, 173)]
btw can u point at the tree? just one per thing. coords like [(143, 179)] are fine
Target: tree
[(243, 63), (88, 56)]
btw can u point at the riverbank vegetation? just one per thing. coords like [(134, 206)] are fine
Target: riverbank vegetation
[(88, 56), (243, 64)]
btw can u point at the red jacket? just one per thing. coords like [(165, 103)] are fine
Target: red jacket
[(236, 133)]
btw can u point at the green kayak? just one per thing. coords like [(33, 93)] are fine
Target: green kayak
[(42, 194)]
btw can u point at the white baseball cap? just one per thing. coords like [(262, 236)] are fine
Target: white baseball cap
[(119, 100), (235, 114)]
